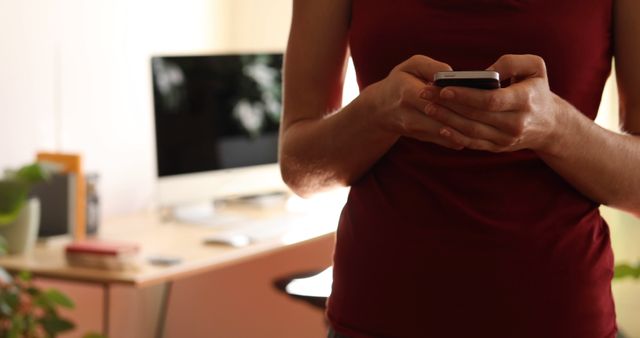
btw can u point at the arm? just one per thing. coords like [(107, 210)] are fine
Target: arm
[(600, 163), (321, 145), (610, 171)]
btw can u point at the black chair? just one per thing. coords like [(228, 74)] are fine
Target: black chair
[(311, 297)]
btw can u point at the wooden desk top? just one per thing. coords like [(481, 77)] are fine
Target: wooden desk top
[(157, 237)]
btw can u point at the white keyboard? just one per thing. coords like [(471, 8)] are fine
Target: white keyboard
[(266, 229)]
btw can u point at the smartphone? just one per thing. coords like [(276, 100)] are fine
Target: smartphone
[(482, 79)]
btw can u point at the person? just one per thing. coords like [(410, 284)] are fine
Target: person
[(471, 213)]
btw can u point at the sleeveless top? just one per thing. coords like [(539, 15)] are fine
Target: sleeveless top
[(440, 243)]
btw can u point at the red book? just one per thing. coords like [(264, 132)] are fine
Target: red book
[(102, 248), (102, 254)]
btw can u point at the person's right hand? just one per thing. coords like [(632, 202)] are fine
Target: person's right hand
[(398, 101)]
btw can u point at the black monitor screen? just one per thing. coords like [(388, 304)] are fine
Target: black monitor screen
[(216, 112)]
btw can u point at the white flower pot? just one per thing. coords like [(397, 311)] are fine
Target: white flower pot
[(21, 235)]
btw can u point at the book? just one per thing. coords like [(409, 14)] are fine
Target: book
[(57, 205), (102, 254), (72, 164)]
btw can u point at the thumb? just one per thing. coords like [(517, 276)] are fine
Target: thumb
[(519, 67), (424, 67)]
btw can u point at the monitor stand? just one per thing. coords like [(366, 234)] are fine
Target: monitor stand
[(267, 200), (216, 214)]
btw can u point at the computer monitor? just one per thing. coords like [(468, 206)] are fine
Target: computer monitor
[(216, 126)]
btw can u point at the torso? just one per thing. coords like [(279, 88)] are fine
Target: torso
[(436, 243)]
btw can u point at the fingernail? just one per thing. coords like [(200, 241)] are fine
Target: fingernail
[(447, 94), (426, 94), (445, 132)]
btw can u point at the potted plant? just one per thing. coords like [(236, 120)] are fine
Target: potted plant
[(25, 309), (19, 214)]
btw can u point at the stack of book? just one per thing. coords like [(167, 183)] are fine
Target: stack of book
[(102, 254)]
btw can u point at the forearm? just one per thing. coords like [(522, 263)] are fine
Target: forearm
[(600, 163), (335, 150)]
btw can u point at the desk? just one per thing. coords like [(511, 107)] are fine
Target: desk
[(167, 238)]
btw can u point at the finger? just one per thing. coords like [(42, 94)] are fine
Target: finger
[(468, 127), (423, 128), (469, 142), (423, 67), (431, 92), (518, 67), (415, 95), (444, 142), (508, 122), (495, 100)]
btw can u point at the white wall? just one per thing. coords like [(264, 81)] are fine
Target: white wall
[(259, 24), (75, 76), (26, 79)]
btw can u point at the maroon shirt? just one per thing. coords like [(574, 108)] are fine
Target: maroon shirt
[(441, 243)]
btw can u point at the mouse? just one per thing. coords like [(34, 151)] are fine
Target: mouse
[(234, 240)]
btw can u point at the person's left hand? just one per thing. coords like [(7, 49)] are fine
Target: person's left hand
[(524, 115)]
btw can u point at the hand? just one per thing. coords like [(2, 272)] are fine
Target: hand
[(398, 101), (524, 115)]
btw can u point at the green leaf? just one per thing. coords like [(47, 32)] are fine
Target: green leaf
[(622, 271), (14, 189), (4, 246), (12, 300), (25, 276), (59, 298), (93, 335), (625, 270), (33, 173), (13, 195), (31, 325), (33, 291), (42, 301), (54, 325), (17, 326)]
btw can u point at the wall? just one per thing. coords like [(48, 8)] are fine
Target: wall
[(259, 24), (75, 77)]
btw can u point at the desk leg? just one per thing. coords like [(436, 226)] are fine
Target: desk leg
[(164, 308), (106, 298)]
